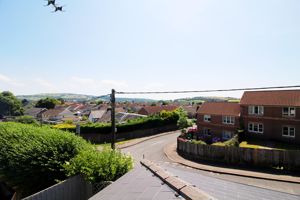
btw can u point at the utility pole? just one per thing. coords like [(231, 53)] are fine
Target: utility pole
[(113, 119)]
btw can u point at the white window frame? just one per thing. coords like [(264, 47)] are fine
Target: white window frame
[(260, 110), (207, 118), (289, 113), (228, 120), (254, 125), (226, 133), (289, 131)]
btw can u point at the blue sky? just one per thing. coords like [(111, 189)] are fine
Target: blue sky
[(152, 45)]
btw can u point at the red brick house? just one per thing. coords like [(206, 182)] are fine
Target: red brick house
[(272, 115), (151, 110), (218, 119)]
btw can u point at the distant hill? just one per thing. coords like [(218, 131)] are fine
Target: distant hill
[(66, 96), (80, 97), (83, 97), (211, 99)]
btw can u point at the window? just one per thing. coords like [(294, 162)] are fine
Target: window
[(228, 120), (289, 112), (207, 131), (288, 131), (227, 135), (256, 110), (256, 127), (207, 118)]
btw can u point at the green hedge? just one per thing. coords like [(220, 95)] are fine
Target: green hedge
[(108, 165), (163, 119), (32, 158)]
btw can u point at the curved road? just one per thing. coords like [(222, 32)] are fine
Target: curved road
[(217, 185)]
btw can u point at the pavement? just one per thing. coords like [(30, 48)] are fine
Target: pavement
[(133, 142), (171, 152)]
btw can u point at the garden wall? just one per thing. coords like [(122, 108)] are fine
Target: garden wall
[(106, 138), (72, 188), (289, 160)]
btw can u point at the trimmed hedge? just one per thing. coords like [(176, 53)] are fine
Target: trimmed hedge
[(108, 165), (163, 119), (32, 158)]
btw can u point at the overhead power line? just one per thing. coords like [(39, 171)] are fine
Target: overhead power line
[(216, 90)]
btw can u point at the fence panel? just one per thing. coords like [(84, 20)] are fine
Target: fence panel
[(288, 159), (70, 189)]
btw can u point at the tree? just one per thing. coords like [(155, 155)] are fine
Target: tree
[(183, 121), (48, 103), (10, 105), (61, 100), (25, 102)]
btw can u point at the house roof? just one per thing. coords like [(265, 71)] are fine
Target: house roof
[(156, 109), (220, 108), (122, 116), (190, 109), (97, 114), (272, 98), (34, 111), (54, 112)]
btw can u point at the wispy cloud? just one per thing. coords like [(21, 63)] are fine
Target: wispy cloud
[(154, 86), (114, 83), (10, 81), (81, 80), (45, 84)]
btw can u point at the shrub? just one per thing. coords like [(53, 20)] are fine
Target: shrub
[(162, 119), (107, 165), (26, 120), (198, 142), (229, 143), (221, 144), (69, 121), (183, 121), (32, 158), (233, 141)]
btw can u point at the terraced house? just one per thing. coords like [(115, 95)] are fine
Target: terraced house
[(218, 119), (269, 115), (272, 115)]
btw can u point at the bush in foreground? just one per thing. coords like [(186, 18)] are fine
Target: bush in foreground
[(33, 158), (108, 165)]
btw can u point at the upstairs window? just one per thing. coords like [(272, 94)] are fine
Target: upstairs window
[(228, 120), (288, 131), (255, 127), (207, 118), (289, 112), (256, 110)]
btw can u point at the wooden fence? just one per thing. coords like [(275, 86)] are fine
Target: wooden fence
[(289, 159)]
